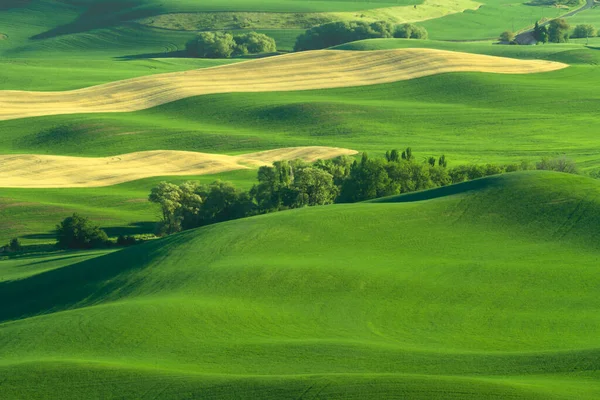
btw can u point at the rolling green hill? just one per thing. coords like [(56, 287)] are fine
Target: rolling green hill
[(482, 290)]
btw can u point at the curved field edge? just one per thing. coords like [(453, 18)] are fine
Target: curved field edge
[(424, 289), (42, 171), (429, 9), (69, 379), (297, 71)]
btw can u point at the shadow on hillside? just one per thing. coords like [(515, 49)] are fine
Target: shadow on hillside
[(136, 228), (102, 14), (166, 54), (8, 4), (81, 284), (459, 188), (183, 54)]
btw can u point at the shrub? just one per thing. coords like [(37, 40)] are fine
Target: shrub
[(14, 245), (507, 36), (558, 31), (77, 232), (224, 45), (335, 33), (254, 43), (410, 31), (126, 240), (558, 164), (584, 31)]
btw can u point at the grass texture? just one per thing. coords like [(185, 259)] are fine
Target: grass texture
[(319, 69), (426, 296)]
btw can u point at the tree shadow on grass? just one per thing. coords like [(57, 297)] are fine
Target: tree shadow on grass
[(443, 191), (8, 4), (102, 14), (105, 278)]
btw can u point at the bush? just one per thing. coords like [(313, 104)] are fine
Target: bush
[(507, 36), (558, 31), (559, 164), (254, 43), (335, 33), (584, 31), (410, 31), (225, 45), (14, 245), (126, 240), (77, 232)]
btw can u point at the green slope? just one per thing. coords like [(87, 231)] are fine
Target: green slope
[(485, 290)]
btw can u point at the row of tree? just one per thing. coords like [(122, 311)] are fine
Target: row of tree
[(294, 184), (556, 31), (225, 45), (559, 31), (286, 185), (336, 33)]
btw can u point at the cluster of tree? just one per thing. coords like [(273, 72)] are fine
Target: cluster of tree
[(294, 184), (336, 33), (410, 31), (78, 232), (12, 247), (224, 44), (585, 31), (557, 31), (507, 36)]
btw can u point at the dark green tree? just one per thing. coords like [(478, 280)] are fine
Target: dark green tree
[(77, 232), (558, 31), (15, 245), (442, 161)]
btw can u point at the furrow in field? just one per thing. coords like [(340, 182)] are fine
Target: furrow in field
[(321, 69), (41, 171)]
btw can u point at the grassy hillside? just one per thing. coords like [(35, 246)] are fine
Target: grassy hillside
[(485, 290), (32, 214), (468, 116)]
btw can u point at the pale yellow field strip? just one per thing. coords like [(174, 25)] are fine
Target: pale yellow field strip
[(430, 9), (42, 171), (322, 69)]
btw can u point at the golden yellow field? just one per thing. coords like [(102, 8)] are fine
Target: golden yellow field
[(42, 171), (320, 69)]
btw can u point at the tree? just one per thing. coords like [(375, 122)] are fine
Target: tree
[(392, 156), (540, 33), (335, 33), (179, 206), (254, 43), (559, 164), (431, 161), (315, 187), (368, 180), (211, 45), (221, 202), (507, 36), (558, 31), (584, 31), (410, 31), (442, 161), (407, 154), (14, 245), (77, 232)]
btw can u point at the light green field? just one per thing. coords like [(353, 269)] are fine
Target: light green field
[(591, 16), (433, 299), (482, 290), (32, 214)]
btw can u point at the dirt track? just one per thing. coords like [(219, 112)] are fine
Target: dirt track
[(320, 69)]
